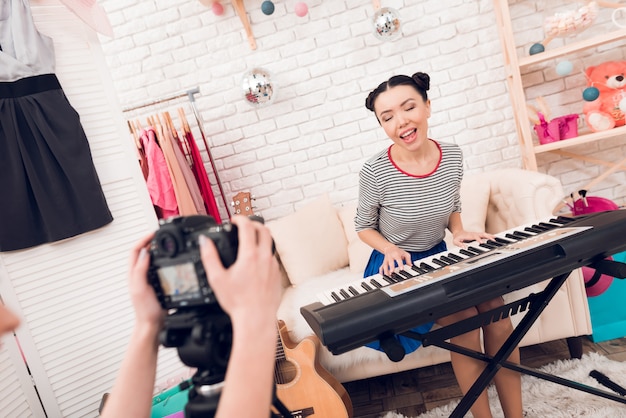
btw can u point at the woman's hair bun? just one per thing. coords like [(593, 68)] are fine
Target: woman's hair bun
[(418, 81), (369, 101), (422, 80)]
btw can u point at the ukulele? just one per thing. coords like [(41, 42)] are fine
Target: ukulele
[(302, 384)]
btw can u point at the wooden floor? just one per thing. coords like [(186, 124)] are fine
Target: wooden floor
[(416, 391)]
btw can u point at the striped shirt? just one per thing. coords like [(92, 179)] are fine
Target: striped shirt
[(410, 211)]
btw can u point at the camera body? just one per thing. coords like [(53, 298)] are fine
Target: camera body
[(176, 272)]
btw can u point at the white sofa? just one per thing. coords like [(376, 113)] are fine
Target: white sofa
[(320, 250)]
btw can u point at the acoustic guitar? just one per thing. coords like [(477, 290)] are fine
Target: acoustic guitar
[(303, 385), (242, 203)]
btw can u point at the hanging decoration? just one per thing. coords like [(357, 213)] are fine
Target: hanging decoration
[(217, 8), (564, 68), (387, 24), (267, 7), (301, 9), (258, 88), (590, 94)]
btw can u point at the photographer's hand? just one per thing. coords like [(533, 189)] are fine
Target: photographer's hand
[(249, 291), (148, 310), (132, 393)]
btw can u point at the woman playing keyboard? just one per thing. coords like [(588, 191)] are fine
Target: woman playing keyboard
[(409, 194)]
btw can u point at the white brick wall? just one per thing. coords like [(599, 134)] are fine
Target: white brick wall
[(315, 136)]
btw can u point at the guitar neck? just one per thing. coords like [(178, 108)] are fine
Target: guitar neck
[(280, 348)]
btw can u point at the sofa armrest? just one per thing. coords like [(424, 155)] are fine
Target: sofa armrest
[(518, 197)]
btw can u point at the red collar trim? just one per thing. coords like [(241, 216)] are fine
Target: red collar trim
[(416, 175)]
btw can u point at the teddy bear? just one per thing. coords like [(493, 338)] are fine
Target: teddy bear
[(607, 110)]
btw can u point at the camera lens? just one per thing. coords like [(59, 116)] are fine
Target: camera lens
[(167, 244)]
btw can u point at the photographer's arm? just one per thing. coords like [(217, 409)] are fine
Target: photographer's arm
[(132, 393), (249, 292)]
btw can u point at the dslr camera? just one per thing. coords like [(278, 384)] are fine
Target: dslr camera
[(176, 272)]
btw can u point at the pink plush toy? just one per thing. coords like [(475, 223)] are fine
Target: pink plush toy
[(607, 111)]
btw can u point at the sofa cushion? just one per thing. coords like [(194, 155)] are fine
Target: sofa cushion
[(475, 191), (358, 251), (311, 241)]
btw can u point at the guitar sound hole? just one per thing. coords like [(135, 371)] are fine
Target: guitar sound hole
[(286, 371)]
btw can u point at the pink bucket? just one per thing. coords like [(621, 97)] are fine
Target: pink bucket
[(563, 127)]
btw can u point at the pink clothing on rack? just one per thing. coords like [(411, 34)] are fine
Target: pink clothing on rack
[(159, 182), (202, 178)]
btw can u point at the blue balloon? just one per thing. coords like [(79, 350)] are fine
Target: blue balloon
[(267, 7), (590, 94), (536, 49), (564, 68)]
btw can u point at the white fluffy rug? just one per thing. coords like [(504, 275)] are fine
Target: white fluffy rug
[(543, 399)]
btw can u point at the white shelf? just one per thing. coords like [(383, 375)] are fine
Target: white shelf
[(571, 48), (514, 66), (583, 138)]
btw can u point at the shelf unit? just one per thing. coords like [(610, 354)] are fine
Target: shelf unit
[(514, 67)]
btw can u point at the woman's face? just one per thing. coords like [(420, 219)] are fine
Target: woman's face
[(403, 114), (8, 320)]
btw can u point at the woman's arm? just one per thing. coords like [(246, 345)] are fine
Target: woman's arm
[(249, 291), (132, 392)]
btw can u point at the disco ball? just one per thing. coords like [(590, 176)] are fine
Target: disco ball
[(258, 88), (386, 24)]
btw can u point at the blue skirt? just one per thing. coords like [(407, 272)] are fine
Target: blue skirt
[(372, 268)]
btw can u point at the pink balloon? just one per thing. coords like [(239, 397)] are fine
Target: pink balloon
[(217, 8), (301, 9)]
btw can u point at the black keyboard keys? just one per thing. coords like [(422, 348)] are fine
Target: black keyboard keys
[(503, 241), (455, 257), (475, 250), (439, 262)]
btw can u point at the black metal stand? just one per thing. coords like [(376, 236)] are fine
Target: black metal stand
[(534, 304)]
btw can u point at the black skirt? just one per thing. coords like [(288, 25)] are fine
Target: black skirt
[(49, 188)]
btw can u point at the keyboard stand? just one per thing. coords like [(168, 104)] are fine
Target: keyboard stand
[(534, 304)]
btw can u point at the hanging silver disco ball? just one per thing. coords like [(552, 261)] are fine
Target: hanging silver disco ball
[(386, 24), (258, 88)]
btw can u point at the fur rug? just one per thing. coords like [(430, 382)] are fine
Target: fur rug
[(543, 399)]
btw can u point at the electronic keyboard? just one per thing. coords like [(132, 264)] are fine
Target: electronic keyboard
[(363, 311)]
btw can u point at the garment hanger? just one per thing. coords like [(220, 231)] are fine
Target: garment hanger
[(186, 131), (137, 125), (155, 124), (182, 144), (134, 133), (183, 119)]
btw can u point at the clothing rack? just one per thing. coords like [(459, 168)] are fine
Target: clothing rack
[(190, 94)]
